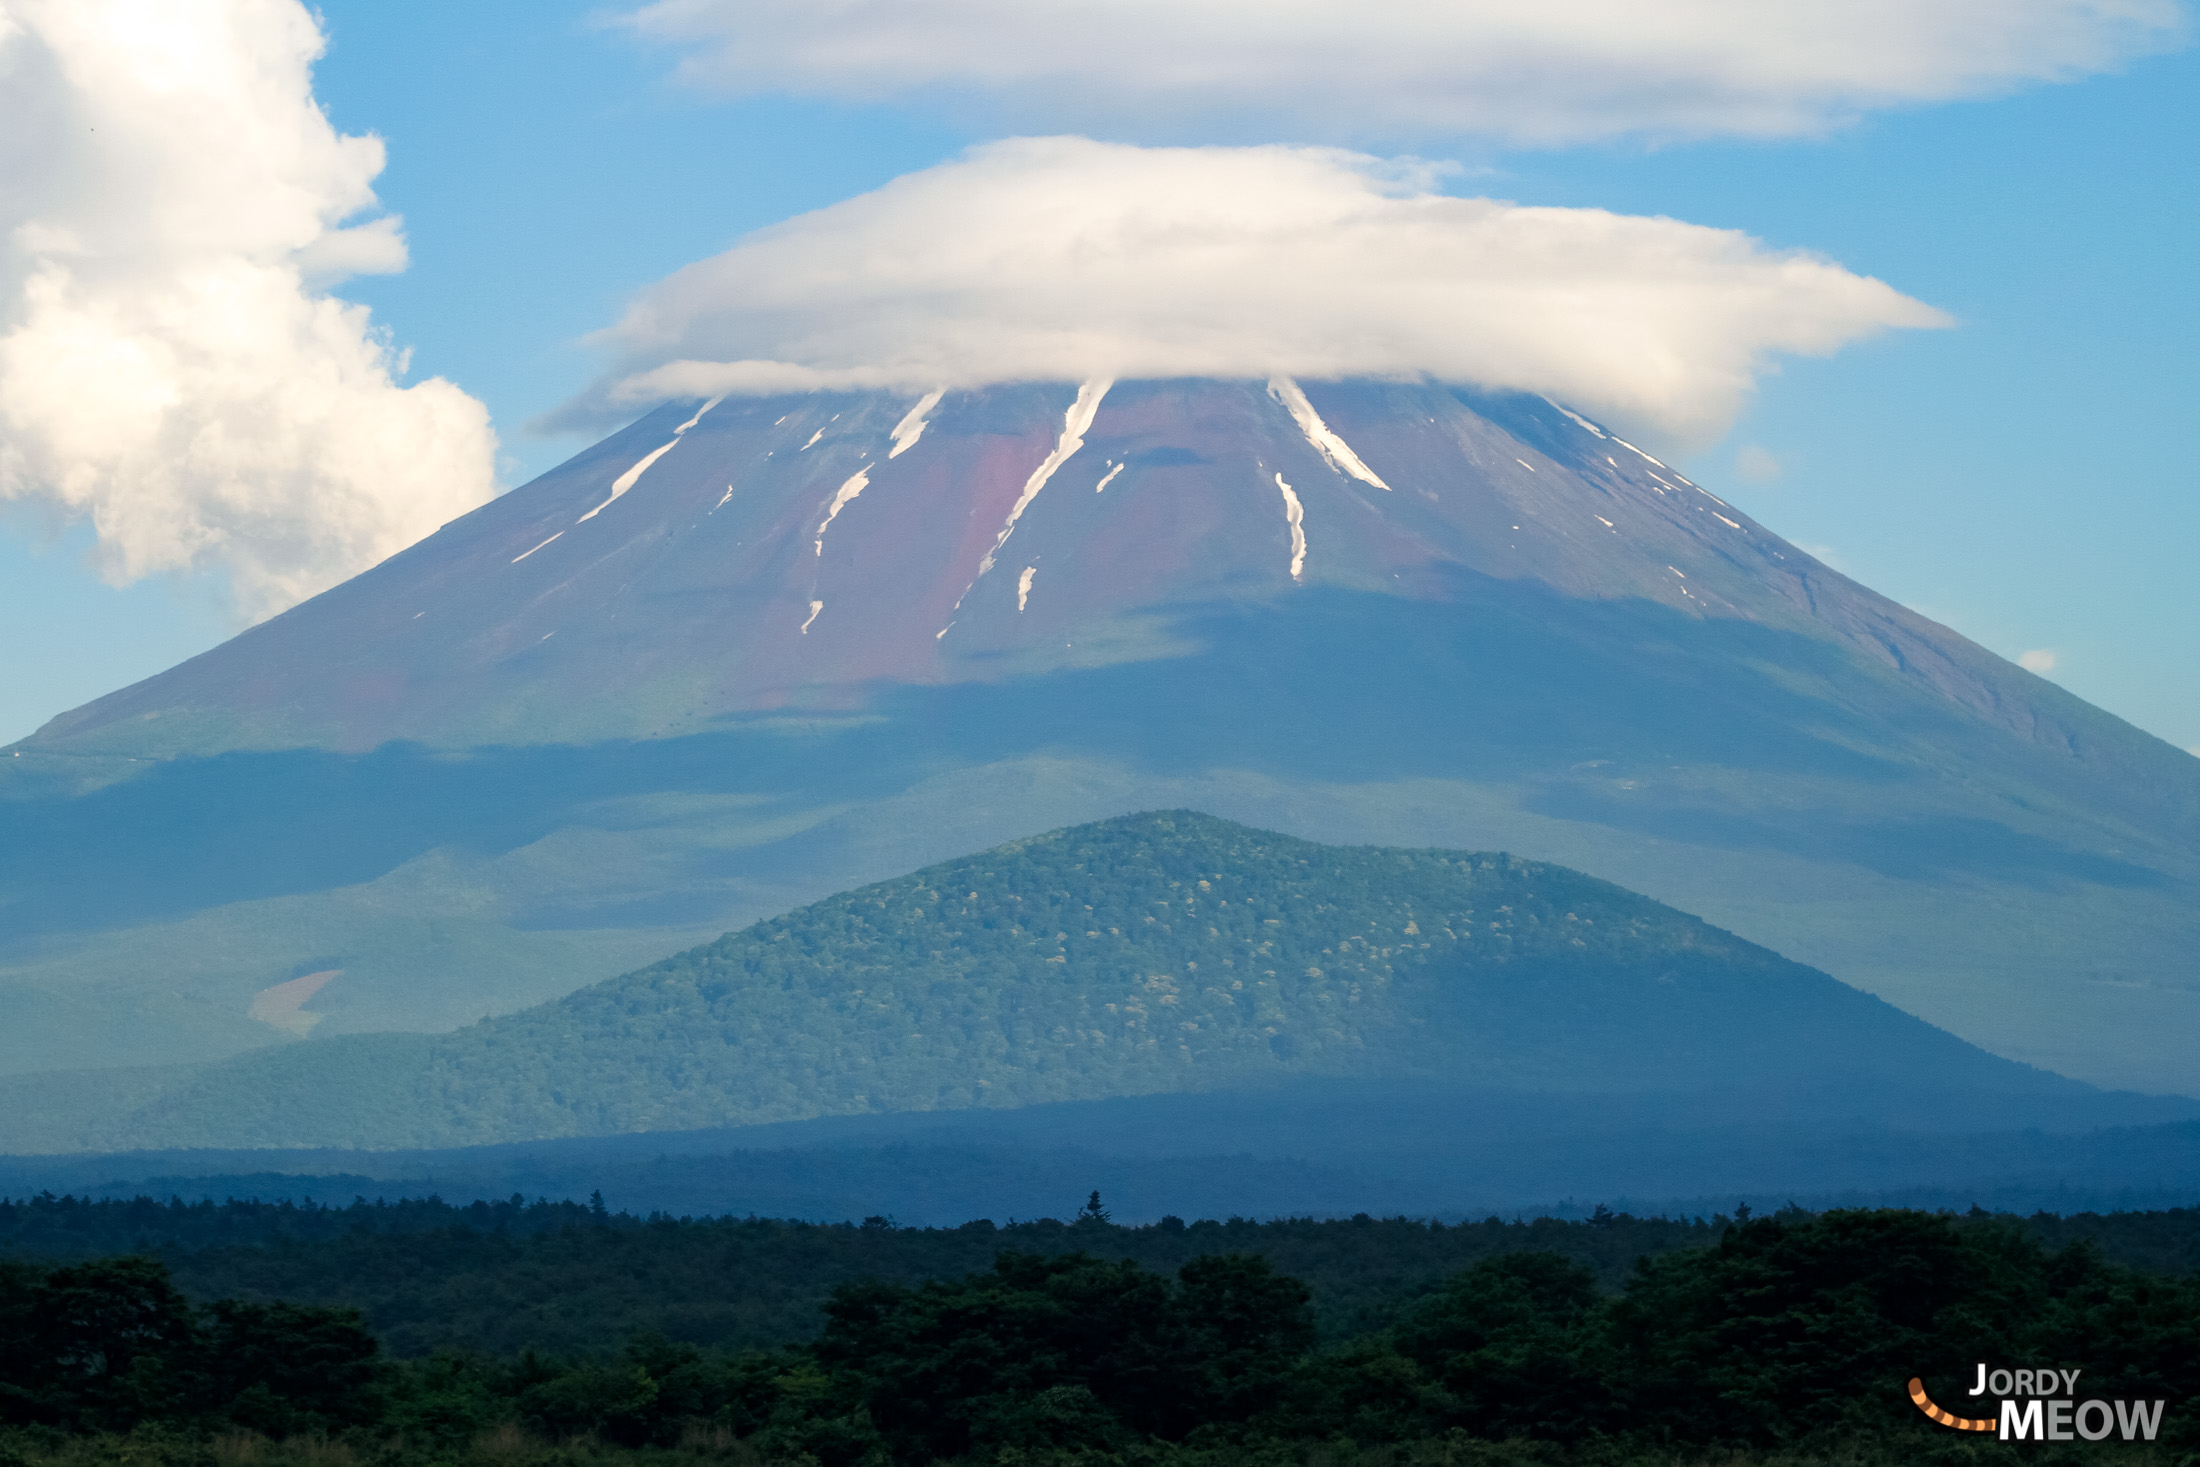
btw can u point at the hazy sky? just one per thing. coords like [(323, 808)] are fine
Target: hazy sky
[(2021, 169)]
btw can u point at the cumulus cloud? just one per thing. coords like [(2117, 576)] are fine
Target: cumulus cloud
[(2040, 660), (1530, 71), (1042, 259), (172, 206)]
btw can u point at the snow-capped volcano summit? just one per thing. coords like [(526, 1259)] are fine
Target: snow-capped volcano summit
[(749, 651), (741, 556)]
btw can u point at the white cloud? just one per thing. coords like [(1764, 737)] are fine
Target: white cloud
[(172, 200), (1062, 259), (2039, 660), (1532, 71), (1756, 464)]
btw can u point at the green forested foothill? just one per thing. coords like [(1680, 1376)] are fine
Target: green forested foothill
[(1148, 954), (1788, 1338)]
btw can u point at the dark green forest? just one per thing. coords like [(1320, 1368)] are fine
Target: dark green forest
[(1149, 954), (499, 1277), (1788, 1337)]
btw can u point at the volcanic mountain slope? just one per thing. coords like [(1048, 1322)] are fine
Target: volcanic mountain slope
[(1144, 955), (747, 652), (803, 554)]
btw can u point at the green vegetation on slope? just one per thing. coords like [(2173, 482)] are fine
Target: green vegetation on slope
[(1789, 1334), (1152, 953)]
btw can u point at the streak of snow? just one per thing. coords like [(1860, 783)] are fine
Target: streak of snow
[(781, 419), (525, 553), (805, 448), (1333, 449), (721, 504), (1584, 422), (841, 500), (1634, 450), (1525, 464), (627, 481), (1107, 478), (815, 608), (1023, 586), (1074, 423), (1600, 519), (1676, 572), (1294, 515), (1611, 460), (911, 428), (1724, 520), (1706, 493), (691, 422), (943, 631)]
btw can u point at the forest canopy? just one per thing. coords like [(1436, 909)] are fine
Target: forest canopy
[(1788, 1333)]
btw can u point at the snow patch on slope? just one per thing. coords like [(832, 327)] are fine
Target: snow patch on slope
[(1578, 418), (1333, 449), (1074, 423), (911, 427), (628, 480), (1294, 515), (691, 422), (841, 500), (633, 476), (1023, 586)]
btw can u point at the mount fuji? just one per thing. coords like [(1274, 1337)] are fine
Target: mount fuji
[(750, 651)]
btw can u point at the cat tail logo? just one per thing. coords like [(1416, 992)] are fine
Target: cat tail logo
[(1945, 1418), (2032, 1415)]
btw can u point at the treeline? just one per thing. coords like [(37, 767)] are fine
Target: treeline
[(496, 1278), (1790, 1336)]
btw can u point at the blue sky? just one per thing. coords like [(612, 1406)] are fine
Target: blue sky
[(2027, 477)]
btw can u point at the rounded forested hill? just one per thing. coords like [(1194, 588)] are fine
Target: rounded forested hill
[(1152, 953)]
